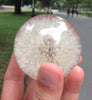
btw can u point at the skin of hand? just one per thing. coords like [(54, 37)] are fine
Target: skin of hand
[(50, 85)]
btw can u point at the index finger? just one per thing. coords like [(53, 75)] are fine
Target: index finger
[(13, 85)]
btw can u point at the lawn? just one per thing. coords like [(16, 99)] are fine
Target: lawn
[(9, 25)]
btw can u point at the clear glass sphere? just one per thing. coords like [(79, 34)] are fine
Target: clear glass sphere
[(47, 38)]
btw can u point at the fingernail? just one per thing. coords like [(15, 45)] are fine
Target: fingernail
[(48, 78), (78, 68)]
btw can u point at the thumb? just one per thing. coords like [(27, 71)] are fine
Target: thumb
[(50, 82)]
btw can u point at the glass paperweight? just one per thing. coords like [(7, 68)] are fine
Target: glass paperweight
[(47, 38)]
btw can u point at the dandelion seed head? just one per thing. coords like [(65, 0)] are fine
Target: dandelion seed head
[(47, 38)]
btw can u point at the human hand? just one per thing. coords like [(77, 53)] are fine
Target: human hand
[(50, 84)]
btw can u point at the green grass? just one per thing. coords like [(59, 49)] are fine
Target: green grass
[(9, 25), (86, 14), (25, 11)]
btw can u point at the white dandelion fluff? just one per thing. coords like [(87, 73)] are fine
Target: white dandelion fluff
[(47, 38)]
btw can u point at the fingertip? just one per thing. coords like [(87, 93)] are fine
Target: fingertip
[(51, 67), (50, 74), (75, 80), (77, 74), (80, 60), (73, 84)]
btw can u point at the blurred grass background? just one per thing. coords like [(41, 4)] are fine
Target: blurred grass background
[(9, 25)]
